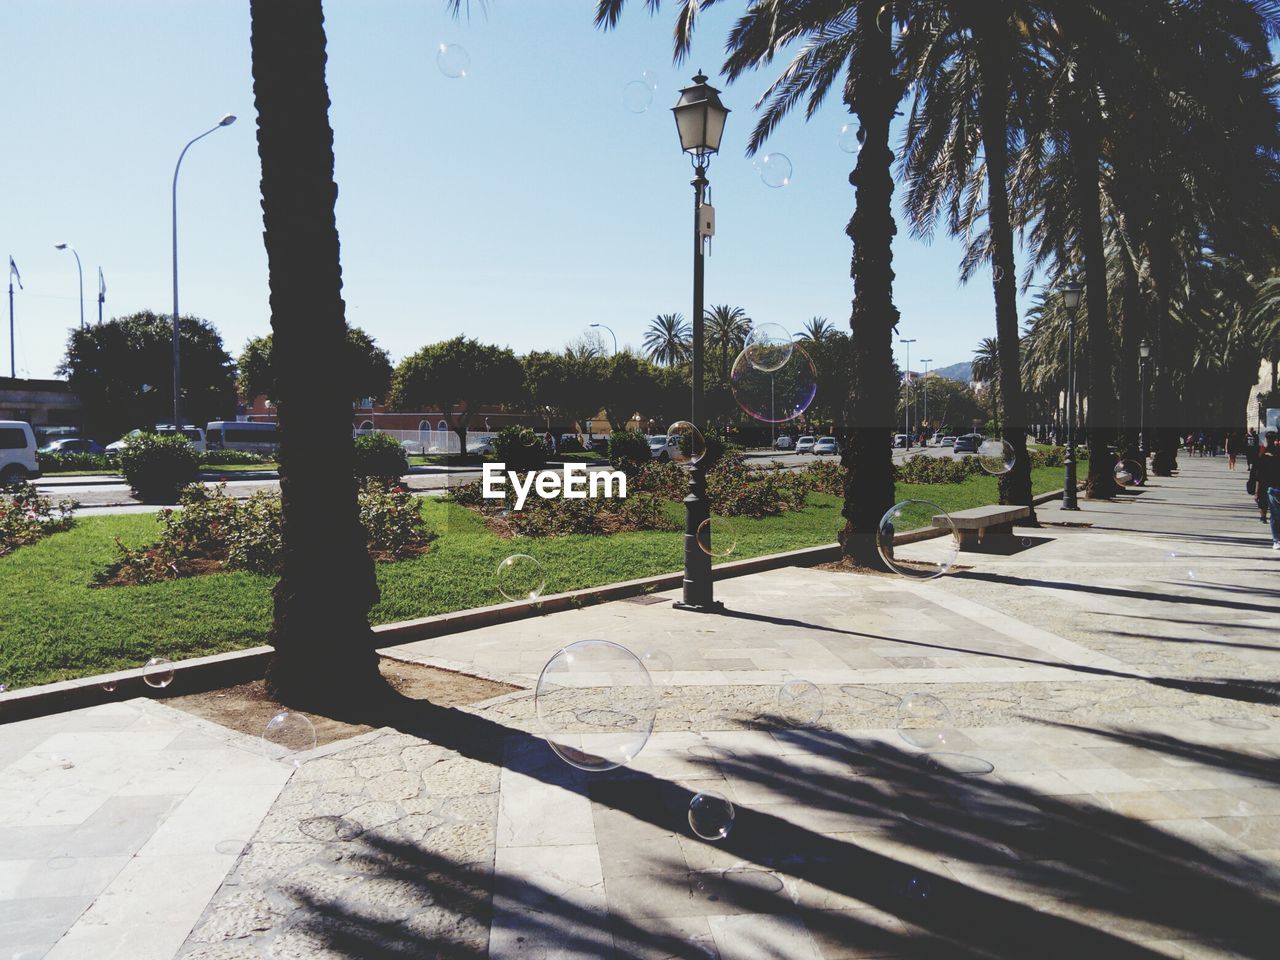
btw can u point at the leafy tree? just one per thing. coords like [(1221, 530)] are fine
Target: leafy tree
[(367, 367), (324, 649), (726, 329), (667, 340), (457, 376), (109, 364), (628, 387)]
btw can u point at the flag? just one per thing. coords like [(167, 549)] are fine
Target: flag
[(102, 285), (13, 271)]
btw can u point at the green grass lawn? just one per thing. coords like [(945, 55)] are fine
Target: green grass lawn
[(54, 626), (238, 467)]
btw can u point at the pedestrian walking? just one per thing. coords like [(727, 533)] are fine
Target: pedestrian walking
[(1250, 447), (1232, 444), (1264, 482)]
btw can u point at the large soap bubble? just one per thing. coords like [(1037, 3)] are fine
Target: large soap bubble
[(769, 347), (924, 721), (774, 396), (521, 577), (453, 60), (596, 704), (918, 539), (157, 673), (690, 446), (290, 731), (717, 537), (711, 815), (1130, 473), (636, 96), (800, 703), (775, 169), (848, 139), (996, 456)]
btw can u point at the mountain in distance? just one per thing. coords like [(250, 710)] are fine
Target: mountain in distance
[(961, 372)]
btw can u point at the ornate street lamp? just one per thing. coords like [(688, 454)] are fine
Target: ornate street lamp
[(1071, 291), (1144, 355), (700, 118)]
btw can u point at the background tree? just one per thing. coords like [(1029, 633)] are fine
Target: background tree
[(457, 377), (108, 364), (628, 387), (726, 329), (816, 329), (986, 369), (367, 368), (667, 340), (324, 649)]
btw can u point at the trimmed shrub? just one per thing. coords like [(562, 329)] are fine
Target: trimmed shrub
[(667, 480), (923, 468), (157, 467), (825, 476), (629, 451), (25, 517), (380, 457), (519, 448), (227, 458), (737, 491), (74, 462)]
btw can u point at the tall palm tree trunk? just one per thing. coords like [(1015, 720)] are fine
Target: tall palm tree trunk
[(1164, 427), (868, 458), (993, 99), (323, 646)]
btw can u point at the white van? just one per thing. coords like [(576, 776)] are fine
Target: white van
[(194, 434), (263, 438), (17, 452)]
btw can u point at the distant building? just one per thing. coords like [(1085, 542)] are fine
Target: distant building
[(41, 403)]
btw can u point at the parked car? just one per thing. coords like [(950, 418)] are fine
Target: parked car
[(784, 442), (481, 446), (195, 434), (805, 445), (73, 445), (899, 439), (826, 445), (664, 448), (18, 460), (969, 443), (947, 442)]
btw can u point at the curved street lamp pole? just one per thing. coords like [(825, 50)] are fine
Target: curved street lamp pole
[(611, 333), (79, 272), (226, 121)]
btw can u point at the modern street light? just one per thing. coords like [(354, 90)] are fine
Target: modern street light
[(924, 386), (1071, 291), (611, 333), (1144, 355), (700, 118), (226, 121), (79, 271), (102, 294), (906, 396)]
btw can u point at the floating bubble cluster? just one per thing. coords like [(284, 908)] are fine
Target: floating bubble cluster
[(596, 704), (717, 537), (773, 396), (157, 673), (774, 169), (289, 731), (711, 815), (924, 721), (521, 577), (800, 703), (917, 539), (690, 446), (453, 60), (996, 456)]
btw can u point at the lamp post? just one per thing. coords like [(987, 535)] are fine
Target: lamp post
[(102, 294), (700, 118), (924, 385), (226, 121), (1071, 291), (79, 271), (611, 333), (1144, 354), (906, 396)]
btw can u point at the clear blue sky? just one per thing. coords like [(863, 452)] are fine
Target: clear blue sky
[(516, 205)]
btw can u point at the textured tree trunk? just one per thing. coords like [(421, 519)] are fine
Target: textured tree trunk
[(1132, 330), (993, 99), (1164, 424), (873, 395), (324, 649)]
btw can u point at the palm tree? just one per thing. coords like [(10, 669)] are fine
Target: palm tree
[(727, 329), (324, 649), (816, 330), (986, 368), (667, 339)]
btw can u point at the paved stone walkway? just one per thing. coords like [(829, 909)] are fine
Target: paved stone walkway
[(1125, 699)]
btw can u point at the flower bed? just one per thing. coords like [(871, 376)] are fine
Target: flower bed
[(26, 517)]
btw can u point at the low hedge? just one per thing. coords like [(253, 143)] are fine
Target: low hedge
[(380, 456), (157, 467)]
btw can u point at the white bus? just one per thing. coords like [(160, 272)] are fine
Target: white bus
[(261, 438)]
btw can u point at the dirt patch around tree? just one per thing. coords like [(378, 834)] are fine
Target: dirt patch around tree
[(246, 707)]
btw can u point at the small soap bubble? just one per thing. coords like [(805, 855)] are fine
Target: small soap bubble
[(918, 888), (689, 446), (636, 96), (996, 456), (658, 663), (109, 686), (650, 78), (157, 673), (1179, 566), (289, 731), (3, 687), (800, 702), (769, 347), (775, 170), (711, 815), (924, 721), (521, 577), (847, 139), (453, 60), (918, 539), (717, 537)]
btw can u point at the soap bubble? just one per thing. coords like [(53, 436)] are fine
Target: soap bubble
[(997, 273), (996, 456), (1129, 473), (636, 96), (711, 815), (158, 673), (650, 78), (775, 169), (453, 60), (291, 731), (658, 663), (109, 686), (800, 703), (329, 828), (848, 139), (690, 447), (1179, 566), (917, 539), (924, 721), (918, 888), (717, 537), (769, 347), (520, 577), (596, 704), (884, 19), (774, 396)]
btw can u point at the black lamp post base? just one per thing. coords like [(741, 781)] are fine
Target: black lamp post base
[(715, 606)]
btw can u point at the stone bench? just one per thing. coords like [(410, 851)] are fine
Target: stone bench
[(976, 524)]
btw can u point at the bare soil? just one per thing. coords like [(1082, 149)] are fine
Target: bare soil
[(246, 707)]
